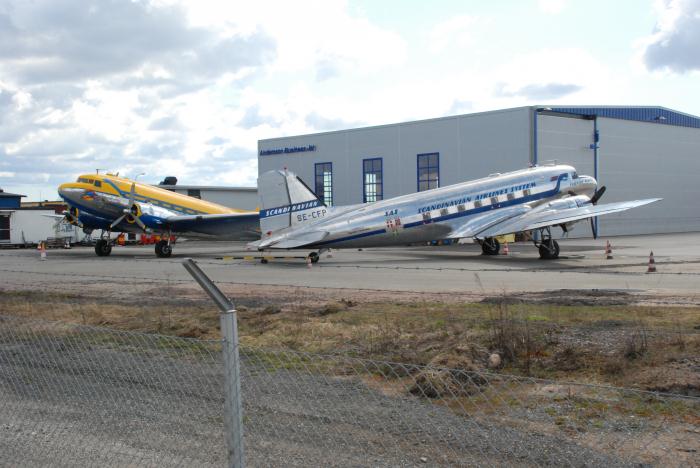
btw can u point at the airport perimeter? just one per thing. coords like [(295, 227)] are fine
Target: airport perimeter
[(112, 395)]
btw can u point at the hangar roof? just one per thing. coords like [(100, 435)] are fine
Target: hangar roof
[(660, 115)]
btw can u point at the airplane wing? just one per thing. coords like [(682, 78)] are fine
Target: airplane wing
[(552, 217), (473, 225), (235, 226)]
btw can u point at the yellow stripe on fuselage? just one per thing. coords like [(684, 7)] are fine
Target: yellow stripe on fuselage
[(150, 194)]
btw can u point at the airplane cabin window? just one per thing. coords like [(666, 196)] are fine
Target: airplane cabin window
[(461, 208), (98, 183), (443, 212), (526, 192), (494, 200), (511, 196), (477, 204)]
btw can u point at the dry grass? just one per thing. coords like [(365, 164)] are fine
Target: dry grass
[(542, 340)]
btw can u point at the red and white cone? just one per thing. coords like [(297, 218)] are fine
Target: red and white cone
[(608, 251), (506, 250), (652, 264), (308, 262), (42, 250)]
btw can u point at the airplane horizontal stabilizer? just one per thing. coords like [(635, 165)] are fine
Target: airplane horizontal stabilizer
[(536, 220), (293, 240)]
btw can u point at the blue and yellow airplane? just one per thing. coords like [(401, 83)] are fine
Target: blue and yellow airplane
[(111, 203)]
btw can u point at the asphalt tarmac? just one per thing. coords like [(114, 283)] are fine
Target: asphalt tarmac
[(459, 268)]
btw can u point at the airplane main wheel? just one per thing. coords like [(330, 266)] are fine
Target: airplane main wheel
[(490, 246), (163, 249), (549, 250), (103, 248), (313, 256)]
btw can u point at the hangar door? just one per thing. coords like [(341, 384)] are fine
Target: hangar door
[(566, 139)]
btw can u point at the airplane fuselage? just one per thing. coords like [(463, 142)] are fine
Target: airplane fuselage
[(433, 214), (101, 199)]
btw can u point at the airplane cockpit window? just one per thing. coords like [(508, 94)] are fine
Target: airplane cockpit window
[(83, 180), (574, 176)]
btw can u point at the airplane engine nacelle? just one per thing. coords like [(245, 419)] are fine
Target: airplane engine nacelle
[(569, 202), (135, 212)]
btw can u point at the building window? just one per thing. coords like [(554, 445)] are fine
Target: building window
[(194, 193), (428, 171), (372, 183), (324, 182)]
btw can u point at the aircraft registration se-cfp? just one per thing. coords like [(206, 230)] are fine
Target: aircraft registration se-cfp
[(533, 199), (111, 203)]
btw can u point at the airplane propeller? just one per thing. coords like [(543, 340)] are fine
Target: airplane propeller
[(71, 216), (594, 201), (132, 213)]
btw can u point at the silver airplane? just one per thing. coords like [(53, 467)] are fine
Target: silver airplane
[(533, 199)]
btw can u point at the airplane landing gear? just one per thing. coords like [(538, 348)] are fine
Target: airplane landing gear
[(103, 247), (163, 249), (490, 246), (548, 247), (313, 256)]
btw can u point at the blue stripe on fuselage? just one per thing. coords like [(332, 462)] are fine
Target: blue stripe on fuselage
[(482, 209), (154, 201)]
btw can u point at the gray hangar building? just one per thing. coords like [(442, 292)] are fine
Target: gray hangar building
[(637, 152)]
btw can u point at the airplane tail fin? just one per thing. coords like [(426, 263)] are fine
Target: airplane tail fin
[(286, 201)]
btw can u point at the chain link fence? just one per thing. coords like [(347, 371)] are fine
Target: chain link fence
[(74, 395)]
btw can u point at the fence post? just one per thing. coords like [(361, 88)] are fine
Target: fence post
[(233, 411)]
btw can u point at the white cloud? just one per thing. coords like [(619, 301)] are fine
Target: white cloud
[(551, 7), (455, 32), (675, 43)]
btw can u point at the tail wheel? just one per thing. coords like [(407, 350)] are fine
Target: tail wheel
[(549, 249), (490, 246)]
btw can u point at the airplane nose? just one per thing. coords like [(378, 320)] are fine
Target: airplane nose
[(70, 193)]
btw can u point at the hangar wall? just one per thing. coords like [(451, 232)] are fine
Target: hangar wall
[(469, 146)]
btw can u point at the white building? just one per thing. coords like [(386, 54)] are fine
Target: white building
[(244, 198), (637, 152)]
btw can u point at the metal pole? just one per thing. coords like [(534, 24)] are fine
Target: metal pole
[(233, 405), (233, 408)]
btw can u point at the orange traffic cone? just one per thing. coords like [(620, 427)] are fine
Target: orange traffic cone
[(608, 251), (506, 251), (652, 263)]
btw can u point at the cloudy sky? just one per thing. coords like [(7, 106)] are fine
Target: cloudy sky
[(186, 88)]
